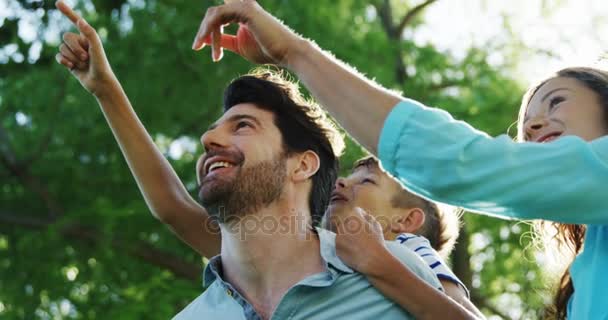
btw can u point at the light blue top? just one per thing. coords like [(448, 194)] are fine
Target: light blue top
[(566, 180), (336, 293)]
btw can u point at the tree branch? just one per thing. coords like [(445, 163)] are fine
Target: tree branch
[(394, 33), (9, 160), (142, 251), (6, 153), (409, 17), (47, 137), (461, 259), (385, 12), (484, 303), (446, 84)]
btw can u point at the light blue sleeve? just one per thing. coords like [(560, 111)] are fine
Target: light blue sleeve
[(449, 161)]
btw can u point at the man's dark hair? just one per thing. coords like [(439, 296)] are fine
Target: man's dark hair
[(303, 126)]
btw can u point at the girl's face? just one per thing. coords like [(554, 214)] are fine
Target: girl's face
[(564, 106)]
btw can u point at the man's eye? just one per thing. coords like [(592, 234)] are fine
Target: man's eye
[(368, 181), (243, 124)]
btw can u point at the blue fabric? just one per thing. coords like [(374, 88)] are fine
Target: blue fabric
[(337, 293), (590, 283), (448, 161)]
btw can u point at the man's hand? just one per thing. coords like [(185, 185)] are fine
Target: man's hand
[(83, 54), (261, 38), (359, 238)]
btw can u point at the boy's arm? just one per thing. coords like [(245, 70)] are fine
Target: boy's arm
[(164, 193), (452, 286), (458, 294), (385, 271), (401, 285)]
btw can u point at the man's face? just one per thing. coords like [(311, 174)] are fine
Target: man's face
[(243, 168), (367, 188)]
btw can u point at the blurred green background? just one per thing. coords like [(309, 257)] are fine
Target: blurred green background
[(76, 238)]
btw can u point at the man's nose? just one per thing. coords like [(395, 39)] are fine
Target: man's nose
[(213, 139)]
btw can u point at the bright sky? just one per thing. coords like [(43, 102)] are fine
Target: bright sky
[(575, 32)]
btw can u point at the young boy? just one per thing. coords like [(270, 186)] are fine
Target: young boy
[(404, 217)]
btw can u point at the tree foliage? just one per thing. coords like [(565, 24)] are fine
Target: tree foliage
[(76, 238)]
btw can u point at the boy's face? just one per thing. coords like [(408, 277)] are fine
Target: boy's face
[(367, 188)]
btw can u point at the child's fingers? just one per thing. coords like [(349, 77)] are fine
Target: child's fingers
[(73, 41), (68, 54), (71, 56), (84, 43), (67, 11), (62, 60), (89, 34)]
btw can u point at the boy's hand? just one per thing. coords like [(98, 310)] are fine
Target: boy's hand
[(359, 238), (83, 54)]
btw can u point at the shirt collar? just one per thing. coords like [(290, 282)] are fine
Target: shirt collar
[(327, 243), (213, 271)]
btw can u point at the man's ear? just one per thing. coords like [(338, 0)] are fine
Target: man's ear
[(409, 221), (305, 166)]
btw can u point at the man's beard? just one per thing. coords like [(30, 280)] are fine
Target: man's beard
[(250, 190)]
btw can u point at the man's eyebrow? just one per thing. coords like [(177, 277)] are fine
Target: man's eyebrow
[(237, 117)]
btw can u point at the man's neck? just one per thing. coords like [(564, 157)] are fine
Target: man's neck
[(265, 254)]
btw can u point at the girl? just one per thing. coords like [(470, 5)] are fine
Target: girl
[(557, 173)]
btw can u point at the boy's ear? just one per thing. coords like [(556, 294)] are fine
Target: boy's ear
[(305, 166), (410, 221)]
